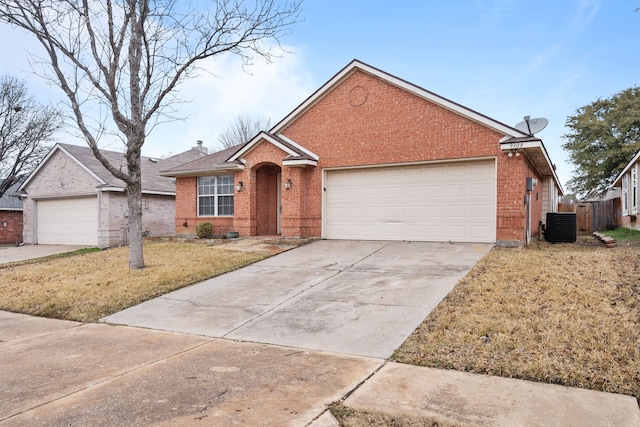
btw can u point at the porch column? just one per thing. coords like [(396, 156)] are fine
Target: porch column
[(293, 201), (244, 203)]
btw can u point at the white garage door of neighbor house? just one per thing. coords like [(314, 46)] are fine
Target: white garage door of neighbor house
[(68, 221), (441, 202)]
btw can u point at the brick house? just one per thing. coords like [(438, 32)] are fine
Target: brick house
[(71, 198), (10, 217), (627, 183), (370, 156)]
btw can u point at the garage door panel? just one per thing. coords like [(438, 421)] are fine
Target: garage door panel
[(68, 221), (444, 202)]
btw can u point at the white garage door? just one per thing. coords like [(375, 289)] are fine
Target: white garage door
[(68, 221), (438, 202)]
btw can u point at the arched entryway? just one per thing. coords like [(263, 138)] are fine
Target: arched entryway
[(267, 196)]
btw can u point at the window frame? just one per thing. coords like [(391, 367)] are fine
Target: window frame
[(634, 189), (215, 191), (625, 194)]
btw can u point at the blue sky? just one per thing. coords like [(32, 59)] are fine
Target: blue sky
[(503, 58)]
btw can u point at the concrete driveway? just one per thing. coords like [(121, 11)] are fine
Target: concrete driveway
[(357, 298), (21, 253)]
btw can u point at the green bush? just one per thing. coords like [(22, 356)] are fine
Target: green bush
[(204, 230)]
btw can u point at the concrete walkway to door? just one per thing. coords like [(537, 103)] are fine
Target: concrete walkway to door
[(358, 298)]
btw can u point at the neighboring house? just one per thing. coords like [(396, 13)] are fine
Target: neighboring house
[(627, 182), (71, 198), (11, 217), (370, 156)]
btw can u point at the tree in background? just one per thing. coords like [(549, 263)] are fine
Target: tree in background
[(120, 63), (604, 136), (242, 130), (26, 131)]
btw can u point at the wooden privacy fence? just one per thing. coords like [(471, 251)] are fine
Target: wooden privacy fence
[(595, 216)]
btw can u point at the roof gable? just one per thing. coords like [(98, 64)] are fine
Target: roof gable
[(295, 152), (618, 180), (231, 158), (64, 148), (356, 65)]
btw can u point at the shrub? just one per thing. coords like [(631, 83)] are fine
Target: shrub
[(204, 230)]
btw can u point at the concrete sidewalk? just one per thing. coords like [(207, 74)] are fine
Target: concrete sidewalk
[(464, 399), (60, 373), (66, 374)]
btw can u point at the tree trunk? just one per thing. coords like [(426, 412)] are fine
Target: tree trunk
[(134, 200)]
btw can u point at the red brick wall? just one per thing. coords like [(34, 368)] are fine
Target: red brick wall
[(512, 213), (11, 233)]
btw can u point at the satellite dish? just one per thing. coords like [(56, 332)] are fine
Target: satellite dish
[(532, 126)]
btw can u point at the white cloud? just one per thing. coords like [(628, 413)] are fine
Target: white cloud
[(586, 11), (226, 92)]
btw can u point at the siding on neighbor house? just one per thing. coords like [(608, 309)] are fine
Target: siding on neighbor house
[(158, 213), (157, 217), (158, 210), (630, 217)]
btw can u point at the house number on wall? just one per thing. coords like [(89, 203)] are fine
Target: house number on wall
[(516, 145)]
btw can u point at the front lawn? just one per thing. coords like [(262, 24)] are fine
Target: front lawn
[(87, 287), (565, 314)]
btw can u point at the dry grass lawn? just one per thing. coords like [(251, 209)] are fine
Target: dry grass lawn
[(565, 314), (90, 286)]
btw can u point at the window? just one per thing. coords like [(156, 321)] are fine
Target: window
[(625, 194), (215, 195), (634, 190)]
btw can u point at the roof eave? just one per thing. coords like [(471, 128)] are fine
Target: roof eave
[(285, 144), (225, 167), (121, 190), (299, 162), (535, 150)]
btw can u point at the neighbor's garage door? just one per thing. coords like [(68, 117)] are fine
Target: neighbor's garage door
[(438, 202), (68, 221)]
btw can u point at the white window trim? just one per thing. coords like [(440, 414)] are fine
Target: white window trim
[(625, 194), (215, 197), (634, 190)]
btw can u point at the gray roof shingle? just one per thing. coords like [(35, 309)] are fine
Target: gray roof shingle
[(152, 181), (10, 203), (207, 163)]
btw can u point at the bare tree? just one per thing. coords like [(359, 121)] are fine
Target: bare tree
[(242, 130), (26, 130), (120, 63)]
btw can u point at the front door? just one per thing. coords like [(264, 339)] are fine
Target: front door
[(268, 200)]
